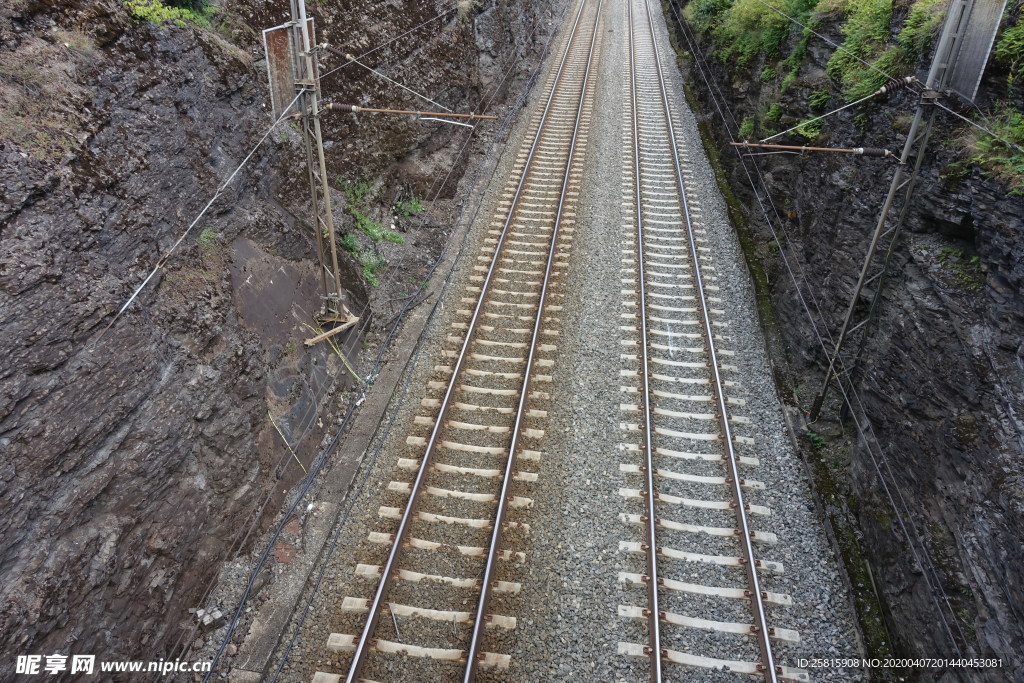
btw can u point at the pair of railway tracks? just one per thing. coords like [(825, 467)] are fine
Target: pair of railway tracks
[(458, 529), (476, 455), (697, 517)]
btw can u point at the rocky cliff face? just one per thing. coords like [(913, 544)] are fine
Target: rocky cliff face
[(134, 463), (943, 385)]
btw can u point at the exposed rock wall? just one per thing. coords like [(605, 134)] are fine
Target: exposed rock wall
[(944, 374), (131, 465)]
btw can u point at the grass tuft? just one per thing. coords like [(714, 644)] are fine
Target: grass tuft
[(156, 12), (408, 207), (996, 158), (867, 31)]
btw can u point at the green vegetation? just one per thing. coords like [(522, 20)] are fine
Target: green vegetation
[(370, 263), (769, 74), (207, 238), (356, 194), (27, 115), (1009, 52), (867, 30), (811, 128), (357, 199), (743, 29), (375, 230), (76, 41), (796, 58), (884, 518), (902, 122), (817, 442), (960, 270), (367, 259), (819, 99), (156, 12), (408, 207), (747, 129), (348, 243), (840, 506), (996, 158)]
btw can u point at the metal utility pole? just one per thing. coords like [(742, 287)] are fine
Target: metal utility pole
[(295, 86), (957, 39)]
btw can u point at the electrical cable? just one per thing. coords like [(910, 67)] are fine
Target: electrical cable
[(846, 370), (713, 87), (454, 123), (817, 334), (864, 431), (421, 223), (484, 103)]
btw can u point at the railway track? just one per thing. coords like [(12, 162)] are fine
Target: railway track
[(702, 588), (457, 530)]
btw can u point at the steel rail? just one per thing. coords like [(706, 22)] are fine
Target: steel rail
[(650, 520), (485, 593), (749, 561), (387, 574)]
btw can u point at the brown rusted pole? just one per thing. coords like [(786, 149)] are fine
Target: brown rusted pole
[(354, 109), (860, 151)]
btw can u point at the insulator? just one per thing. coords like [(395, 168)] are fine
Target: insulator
[(893, 87), (870, 151)]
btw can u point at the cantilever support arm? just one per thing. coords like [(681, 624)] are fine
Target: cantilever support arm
[(859, 151)]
